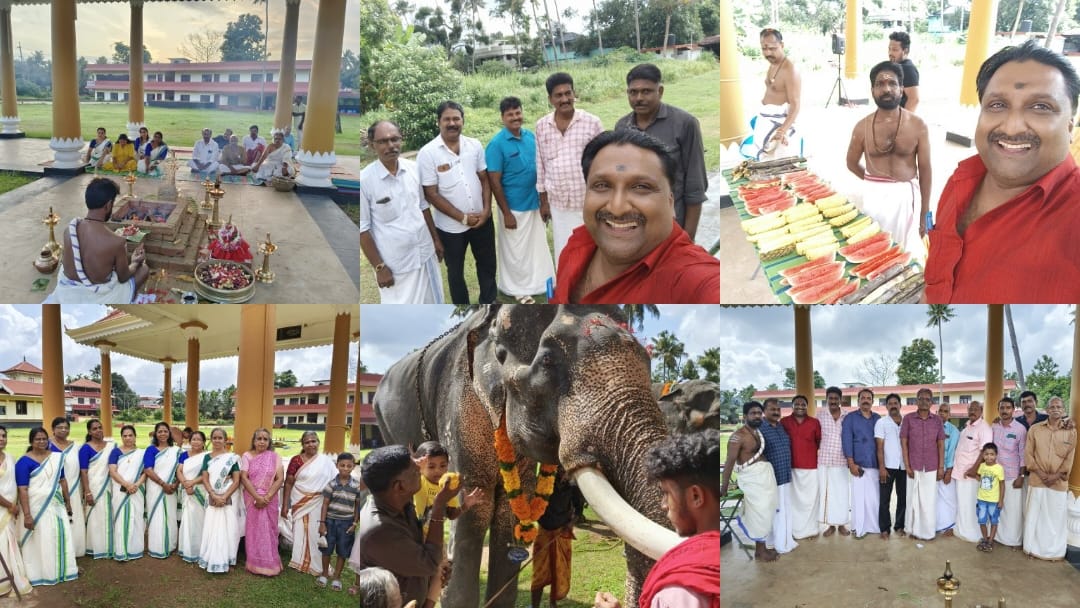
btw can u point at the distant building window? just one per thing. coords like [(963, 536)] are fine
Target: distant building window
[(3, 410), (280, 401), (256, 78), (946, 399), (217, 77), (279, 420), (204, 98), (207, 78), (912, 400), (348, 420), (312, 418), (294, 401), (81, 401), (352, 397), (234, 78), (20, 408), (185, 98), (185, 78), (270, 77), (965, 399), (371, 397)]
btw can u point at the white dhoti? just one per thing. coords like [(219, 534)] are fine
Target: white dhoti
[(1045, 530), (967, 520), (780, 537), (209, 169), (563, 222), (1011, 520), (865, 498), (420, 286), (921, 505), (896, 207), (524, 259), (84, 291), (761, 497), (946, 506), (803, 500), (835, 494), (766, 123)]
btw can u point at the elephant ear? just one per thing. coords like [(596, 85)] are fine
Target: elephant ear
[(483, 373)]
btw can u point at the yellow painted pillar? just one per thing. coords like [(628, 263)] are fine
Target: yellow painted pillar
[(980, 33), (995, 357), (804, 358), (105, 411), (52, 363), (733, 124), (339, 369), (356, 434), (853, 36), (318, 158), (254, 371), (135, 75), (1074, 397), (9, 117), (191, 406), (167, 363), (287, 76), (66, 142)]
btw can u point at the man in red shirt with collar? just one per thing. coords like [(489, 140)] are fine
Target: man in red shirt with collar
[(630, 250), (1006, 228)]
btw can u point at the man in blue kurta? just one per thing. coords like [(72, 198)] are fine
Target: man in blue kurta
[(860, 451), (778, 452)]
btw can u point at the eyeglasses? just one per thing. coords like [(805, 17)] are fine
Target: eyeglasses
[(388, 140)]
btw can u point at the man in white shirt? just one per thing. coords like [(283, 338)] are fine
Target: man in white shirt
[(299, 112), (453, 171), (975, 434), (891, 467), (253, 145), (204, 155), (397, 234)]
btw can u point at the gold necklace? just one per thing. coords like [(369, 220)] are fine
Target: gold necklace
[(890, 143), (772, 77)]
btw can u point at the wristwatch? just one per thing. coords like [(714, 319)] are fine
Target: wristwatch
[(465, 220), (379, 267)]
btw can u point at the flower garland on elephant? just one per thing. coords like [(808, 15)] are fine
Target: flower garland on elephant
[(527, 511)]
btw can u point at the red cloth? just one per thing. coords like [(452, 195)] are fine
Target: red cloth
[(693, 564), (294, 465), (1025, 251), (676, 272), (805, 439)]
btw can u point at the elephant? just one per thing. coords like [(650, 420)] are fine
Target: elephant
[(572, 384), (689, 406)]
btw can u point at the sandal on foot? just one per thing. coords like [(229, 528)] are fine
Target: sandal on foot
[(335, 586), (526, 300), (321, 581)]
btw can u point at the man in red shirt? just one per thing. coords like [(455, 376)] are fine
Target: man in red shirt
[(805, 435), (630, 250), (1020, 189)]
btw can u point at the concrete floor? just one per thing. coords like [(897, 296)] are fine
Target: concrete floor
[(312, 262)]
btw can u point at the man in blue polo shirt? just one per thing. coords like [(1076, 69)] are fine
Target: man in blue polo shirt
[(778, 451), (860, 451), (524, 258)]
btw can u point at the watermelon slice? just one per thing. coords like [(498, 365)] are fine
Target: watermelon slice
[(863, 269), (794, 175), (816, 293), (794, 270), (820, 194), (884, 267), (864, 250), (812, 274), (845, 290)]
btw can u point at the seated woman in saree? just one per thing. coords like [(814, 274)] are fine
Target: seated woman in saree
[(159, 464), (48, 553), (128, 523), (232, 158), (60, 444), (306, 476), (153, 153), (122, 158), (221, 524), (98, 149), (190, 474), (262, 476), (141, 141), (96, 490), (276, 159), (9, 515)]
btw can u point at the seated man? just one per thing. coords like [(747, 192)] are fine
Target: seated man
[(289, 139), (95, 267), (122, 157), (276, 159), (153, 153), (232, 158), (223, 139), (98, 150), (630, 249), (253, 145), (204, 157)]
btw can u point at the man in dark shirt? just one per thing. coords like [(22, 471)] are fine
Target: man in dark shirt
[(778, 451), (552, 553), (1029, 406), (676, 128), (899, 47)]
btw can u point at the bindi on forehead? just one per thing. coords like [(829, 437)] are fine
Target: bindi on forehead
[(620, 168)]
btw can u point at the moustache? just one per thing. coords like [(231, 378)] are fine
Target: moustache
[(754, 423), (604, 216), (1027, 138)]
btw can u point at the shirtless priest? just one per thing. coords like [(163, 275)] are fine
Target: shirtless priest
[(896, 146), (95, 267)]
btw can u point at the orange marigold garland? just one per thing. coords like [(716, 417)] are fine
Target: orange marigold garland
[(525, 510)]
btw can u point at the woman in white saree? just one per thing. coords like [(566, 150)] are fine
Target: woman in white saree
[(221, 525), (48, 554), (96, 491), (160, 461), (276, 160), (60, 444), (306, 476), (126, 471), (9, 512), (190, 475)]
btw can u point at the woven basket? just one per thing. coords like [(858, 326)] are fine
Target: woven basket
[(282, 184)]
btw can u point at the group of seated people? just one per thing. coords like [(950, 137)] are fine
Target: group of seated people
[(142, 155), (226, 154)]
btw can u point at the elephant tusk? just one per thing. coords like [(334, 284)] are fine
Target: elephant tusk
[(637, 530)]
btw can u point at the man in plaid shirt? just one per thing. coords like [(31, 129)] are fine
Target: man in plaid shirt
[(778, 451), (832, 466)]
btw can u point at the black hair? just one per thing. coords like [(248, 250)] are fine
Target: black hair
[(33, 433), (887, 65), (123, 136), (924, 390), (449, 105), (865, 389), (690, 459), (429, 449), (771, 32), (556, 79), (100, 192), (256, 127), (833, 389), (101, 129), (346, 456), (153, 435), (766, 402), (189, 431), (1030, 51), (803, 397), (375, 125), (643, 71), (749, 405), (632, 137), (891, 395), (3, 428), (200, 434), (508, 103), (126, 427), (382, 465), (159, 134), (60, 420), (990, 446), (903, 39), (1026, 394), (1008, 400)]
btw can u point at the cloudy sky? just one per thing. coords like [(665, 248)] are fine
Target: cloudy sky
[(758, 343), (388, 333), (20, 327), (167, 24)]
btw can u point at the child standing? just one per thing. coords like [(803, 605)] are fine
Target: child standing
[(991, 496), (342, 499)]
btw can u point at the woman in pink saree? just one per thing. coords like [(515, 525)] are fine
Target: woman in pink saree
[(261, 475)]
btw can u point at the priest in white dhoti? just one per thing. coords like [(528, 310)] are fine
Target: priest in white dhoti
[(525, 263), (397, 232), (276, 161), (922, 440), (1049, 457), (746, 458), (946, 487), (860, 451), (805, 435), (834, 479), (204, 155), (975, 434), (1011, 439), (778, 452)]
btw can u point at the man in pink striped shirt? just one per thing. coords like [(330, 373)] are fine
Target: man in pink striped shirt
[(561, 138), (833, 475), (1011, 439)]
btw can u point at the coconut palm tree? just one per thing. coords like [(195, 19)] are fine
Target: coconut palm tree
[(709, 362), (1015, 348), (266, 51), (670, 351), (635, 314), (936, 315)]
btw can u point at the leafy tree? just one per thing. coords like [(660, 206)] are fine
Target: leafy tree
[(709, 362), (635, 314), (243, 39), (936, 315), (1039, 11), (350, 70), (285, 379), (670, 351), (689, 371), (101, 60), (122, 53), (917, 363), (1046, 382), (202, 47), (377, 22), (789, 378), (772, 387), (81, 64)]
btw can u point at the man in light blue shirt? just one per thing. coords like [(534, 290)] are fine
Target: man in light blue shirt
[(946, 488)]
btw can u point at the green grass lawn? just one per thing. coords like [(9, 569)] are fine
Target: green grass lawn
[(181, 127), (11, 181)]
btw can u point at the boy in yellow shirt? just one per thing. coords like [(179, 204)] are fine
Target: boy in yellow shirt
[(991, 495)]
